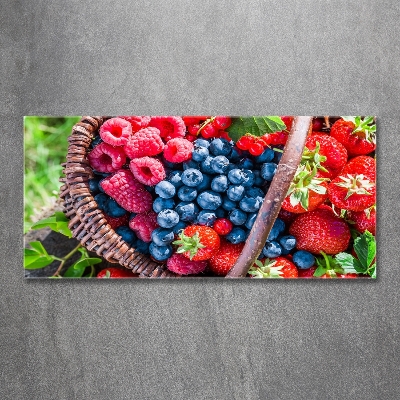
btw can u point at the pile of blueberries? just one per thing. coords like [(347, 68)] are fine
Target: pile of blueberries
[(220, 181)]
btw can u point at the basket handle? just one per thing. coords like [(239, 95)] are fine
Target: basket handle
[(273, 199)]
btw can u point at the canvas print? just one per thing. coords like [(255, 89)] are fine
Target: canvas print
[(200, 196)]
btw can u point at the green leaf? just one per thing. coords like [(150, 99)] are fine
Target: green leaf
[(256, 126), (347, 262), (58, 222), (77, 269), (365, 248), (37, 257), (321, 270)]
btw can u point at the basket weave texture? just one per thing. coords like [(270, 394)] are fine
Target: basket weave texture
[(87, 221)]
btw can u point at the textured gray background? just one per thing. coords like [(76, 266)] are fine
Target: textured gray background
[(202, 339)]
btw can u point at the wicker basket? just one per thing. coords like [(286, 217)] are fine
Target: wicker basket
[(87, 222)]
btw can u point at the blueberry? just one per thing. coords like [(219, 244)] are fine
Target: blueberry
[(97, 140), (142, 247), (250, 204), (205, 166), (192, 177), (230, 168), (288, 242), (303, 259), (113, 209), (187, 211), (160, 253), (220, 212), (238, 217), (178, 227), (162, 237), (246, 163), (186, 193), (266, 156), (277, 154), (272, 249), (94, 186), (200, 153), (228, 204), (236, 155), (202, 143), (205, 184), (101, 200), (160, 204), (255, 193), (165, 189), (237, 176), (175, 178), (219, 183), (258, 180), (235, 192), (209, 200), (268, 171), (167, 218), (191, 164), (102, 174), (127, 234), (249, 178), (250, 220), (150, 189), (206, 217), (277, 229), (219, 164), (220, 147), (236, 235), (168, 164)]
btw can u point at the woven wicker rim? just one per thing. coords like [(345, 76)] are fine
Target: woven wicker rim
[(87, 221)]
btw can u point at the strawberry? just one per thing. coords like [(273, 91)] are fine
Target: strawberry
[(198, 242), (324, 151), (279, 267), (354, 188), (226, 257), (356, 134), (320, 230), (113, 272), (306, 192), (363, 220), (307, 273)]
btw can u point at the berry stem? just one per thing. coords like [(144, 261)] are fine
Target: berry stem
[(273, 199), (65, 259)]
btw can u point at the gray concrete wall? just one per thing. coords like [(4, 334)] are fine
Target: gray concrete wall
[(203, 339)]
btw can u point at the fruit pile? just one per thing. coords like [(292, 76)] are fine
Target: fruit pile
[(180, 190)]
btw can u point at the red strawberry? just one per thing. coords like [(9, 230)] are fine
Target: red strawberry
[(226, 257), (279, 267), (354, 188), (356, 134), (198, 242), (307, 273), (326, 153), (113, 272), (363, 220), (320, 230), (306, 192)]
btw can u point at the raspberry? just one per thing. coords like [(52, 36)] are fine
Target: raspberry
[(106, 158), (180, 264), (116, 131), (143, 225), (178, 150), (146, 142), (118, 221), (170, 127), (137, 122), (127, 191), (147, 170)]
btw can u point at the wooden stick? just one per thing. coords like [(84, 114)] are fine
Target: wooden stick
[(273, 199)]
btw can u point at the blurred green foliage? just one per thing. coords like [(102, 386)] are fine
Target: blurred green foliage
[(45, 146)]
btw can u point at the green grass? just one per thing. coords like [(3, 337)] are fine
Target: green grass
[(45, 146)]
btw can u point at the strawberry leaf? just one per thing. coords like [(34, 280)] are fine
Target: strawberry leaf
[(256, 126), (349, 264), (365, 248)]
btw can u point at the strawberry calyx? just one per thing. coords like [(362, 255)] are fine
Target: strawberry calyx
[(304, 180), (363, 128), (268, 269), (355, 184), (328, 267), (314, 157), (190, 244)]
